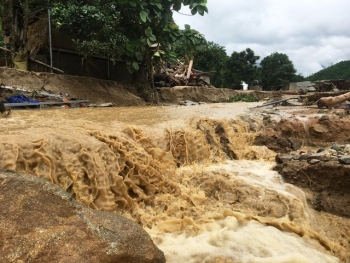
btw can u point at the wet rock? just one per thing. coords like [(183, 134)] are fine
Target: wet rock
[(347, 148), (335, 147), (294, 143), (40, 222), (318, 156), (304, 157), (333, 152), (296, 157), (344, 160), (281, 158), (313, 161), (333, 158), (324, 118)]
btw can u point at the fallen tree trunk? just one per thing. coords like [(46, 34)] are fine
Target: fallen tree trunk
[(311, 99), (329, 102)]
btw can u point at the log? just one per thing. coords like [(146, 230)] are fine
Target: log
[(329, 102), (310, 99), (189, 68)]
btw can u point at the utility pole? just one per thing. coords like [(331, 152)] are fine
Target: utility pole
[(50, 38)]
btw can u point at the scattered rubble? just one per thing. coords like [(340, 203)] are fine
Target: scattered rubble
[(33, 98)]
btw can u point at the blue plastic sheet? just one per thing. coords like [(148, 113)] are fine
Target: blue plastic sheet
[(21, 99)]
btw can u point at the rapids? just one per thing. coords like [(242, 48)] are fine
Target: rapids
[(189, 175)]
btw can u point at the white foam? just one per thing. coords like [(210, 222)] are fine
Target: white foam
[(234, 243)]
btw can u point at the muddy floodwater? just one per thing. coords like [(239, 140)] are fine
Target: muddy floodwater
[(190, 175)]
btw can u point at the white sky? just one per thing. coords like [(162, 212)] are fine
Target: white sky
[(313, 33)]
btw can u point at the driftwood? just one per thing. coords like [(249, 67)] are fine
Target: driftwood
[(329, 102), (311, 99)]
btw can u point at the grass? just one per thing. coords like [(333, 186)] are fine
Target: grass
[(244, 98)]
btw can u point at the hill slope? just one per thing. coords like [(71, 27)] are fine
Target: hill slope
[(340, 70)]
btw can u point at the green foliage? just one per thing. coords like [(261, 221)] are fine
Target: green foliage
[(241, 66), (188, 42), (340, 70), (276, 70), (243, 97), (126, 29), (212, 58), (92, 26)]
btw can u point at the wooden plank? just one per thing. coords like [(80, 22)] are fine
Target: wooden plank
[(189, 69)]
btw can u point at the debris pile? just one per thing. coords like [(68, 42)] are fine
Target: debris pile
[(181, 74), (11, 97)]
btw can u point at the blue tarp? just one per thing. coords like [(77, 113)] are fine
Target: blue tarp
[(21, 99)]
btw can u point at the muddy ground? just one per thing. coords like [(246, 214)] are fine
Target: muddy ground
[(286, 129)]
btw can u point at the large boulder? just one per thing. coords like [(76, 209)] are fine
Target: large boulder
[(40, 222)]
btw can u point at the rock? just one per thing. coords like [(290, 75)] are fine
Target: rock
[(320, 150), (294, 143), (335, 147), (333, 158), (344, 159), (296, 157), (281, 158), (304, 157), (324, 118), (333, 152), (318, 156), (40, 222), (347, 148), (313, 161)]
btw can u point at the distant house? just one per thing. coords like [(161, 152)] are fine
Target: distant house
[(300, 86), (35, 55), (319, 86)]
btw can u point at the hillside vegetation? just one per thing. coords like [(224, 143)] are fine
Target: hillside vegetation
[(340, 70)]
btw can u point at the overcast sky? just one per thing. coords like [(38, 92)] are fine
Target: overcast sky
[(313, 33)]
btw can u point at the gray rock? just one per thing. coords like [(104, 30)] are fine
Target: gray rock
[(304, 157), (324, 118), (344, 160), (313, 161), (283, 157), (294, 143), (333, 158), (319, 156), (347, 148), (333, 152), (335, 147), (296, 157)]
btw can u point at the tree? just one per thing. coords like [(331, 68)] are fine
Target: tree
[(132, 26), (276, 69), (241, 66), (212, 58)]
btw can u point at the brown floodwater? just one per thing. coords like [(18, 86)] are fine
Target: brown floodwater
[(188, 174)]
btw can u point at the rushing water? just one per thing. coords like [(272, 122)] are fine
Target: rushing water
[(189, 175)]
